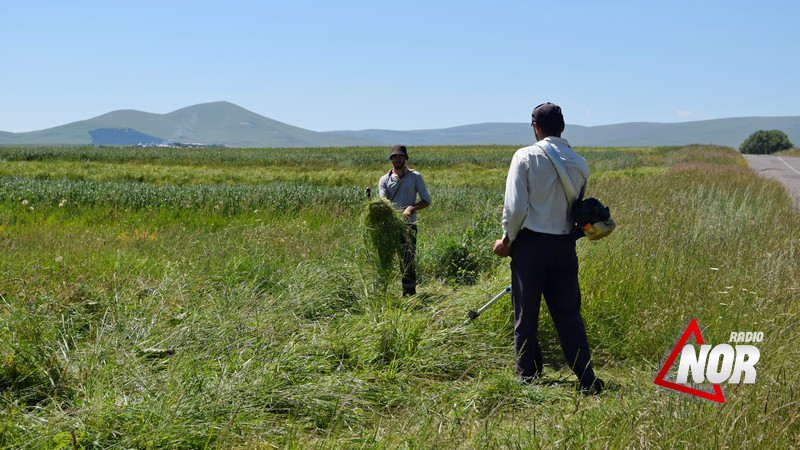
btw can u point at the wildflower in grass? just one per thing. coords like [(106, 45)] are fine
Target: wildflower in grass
[(59, 259), (143, 235), (24, 203)]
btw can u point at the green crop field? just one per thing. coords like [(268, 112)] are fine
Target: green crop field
[(196, 298)]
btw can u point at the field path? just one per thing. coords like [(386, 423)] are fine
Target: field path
[(785, 169)]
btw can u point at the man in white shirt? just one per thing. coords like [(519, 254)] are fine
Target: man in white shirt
[(538, 235)]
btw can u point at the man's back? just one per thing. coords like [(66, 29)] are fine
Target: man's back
[(535, 197), (537, 234)]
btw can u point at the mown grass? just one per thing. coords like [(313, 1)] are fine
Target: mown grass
[(196, 299)]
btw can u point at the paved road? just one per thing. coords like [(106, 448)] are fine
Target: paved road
[(785, 169)]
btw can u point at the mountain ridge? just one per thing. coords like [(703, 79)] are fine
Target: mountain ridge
[(213, 124), (226, 124), (729, 132)]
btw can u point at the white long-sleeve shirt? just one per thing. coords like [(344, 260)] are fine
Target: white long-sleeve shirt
[(534, 197)]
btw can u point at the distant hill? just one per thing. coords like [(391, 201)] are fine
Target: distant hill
[(226, 124), (728, 132), (219, 123), (477, 134), (123, 136)]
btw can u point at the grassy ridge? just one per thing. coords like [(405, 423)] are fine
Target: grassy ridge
[(188, 311)]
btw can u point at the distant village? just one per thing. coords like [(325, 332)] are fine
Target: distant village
[(180, 145)]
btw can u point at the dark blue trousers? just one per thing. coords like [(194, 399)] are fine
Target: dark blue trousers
[(546, 264), (408, 266)]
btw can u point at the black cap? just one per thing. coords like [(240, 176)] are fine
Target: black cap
[(398, 150), (548, 116)]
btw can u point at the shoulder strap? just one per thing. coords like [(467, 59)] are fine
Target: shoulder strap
[(562, 173), (397, 189)]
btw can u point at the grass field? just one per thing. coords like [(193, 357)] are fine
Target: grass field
[(185, 298)]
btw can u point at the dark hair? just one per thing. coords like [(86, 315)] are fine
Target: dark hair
[(549, 118), (551, 130)]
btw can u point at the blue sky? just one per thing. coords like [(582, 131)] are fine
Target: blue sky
[(333, 65)]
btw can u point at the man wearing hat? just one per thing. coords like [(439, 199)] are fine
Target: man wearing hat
[(537, 234), (401, 186)]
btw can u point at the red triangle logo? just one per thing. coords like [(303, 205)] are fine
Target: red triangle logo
[(692, 329)]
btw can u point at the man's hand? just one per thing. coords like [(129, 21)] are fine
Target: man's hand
[(411, 208), (501, 248)]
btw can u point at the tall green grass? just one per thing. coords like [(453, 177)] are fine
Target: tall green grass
[(164, 313)]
